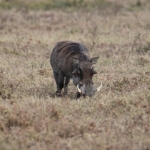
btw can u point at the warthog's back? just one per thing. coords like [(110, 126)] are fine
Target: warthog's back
[(64, 52)]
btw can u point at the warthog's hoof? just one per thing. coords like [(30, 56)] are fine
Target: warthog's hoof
[(78, 95), (58, 94)]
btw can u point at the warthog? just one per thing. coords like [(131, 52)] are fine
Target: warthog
[(71, 60)]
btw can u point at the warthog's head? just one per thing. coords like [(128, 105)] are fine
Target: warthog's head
[(82, 77)]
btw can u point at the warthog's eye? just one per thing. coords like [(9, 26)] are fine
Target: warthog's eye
[(77, 71), (80, 70)]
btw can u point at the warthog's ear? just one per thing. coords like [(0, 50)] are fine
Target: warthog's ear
[(76, 61), (94, 60)]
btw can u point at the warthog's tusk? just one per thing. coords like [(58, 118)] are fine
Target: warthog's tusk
[(98, 88), (78, 88)]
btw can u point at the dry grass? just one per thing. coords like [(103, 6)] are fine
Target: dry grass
[(118, 117)]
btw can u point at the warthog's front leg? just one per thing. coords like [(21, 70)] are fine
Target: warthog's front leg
[(67, 79), (78, 95), (59, 78)]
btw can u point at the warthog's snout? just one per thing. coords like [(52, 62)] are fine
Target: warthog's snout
[(88, 90)]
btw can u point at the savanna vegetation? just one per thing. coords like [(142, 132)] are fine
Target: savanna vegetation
[(118, 117)]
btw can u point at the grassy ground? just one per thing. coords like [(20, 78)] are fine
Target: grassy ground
[(118, 117)]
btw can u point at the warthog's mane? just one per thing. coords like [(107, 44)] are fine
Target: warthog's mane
[(67, 49)]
